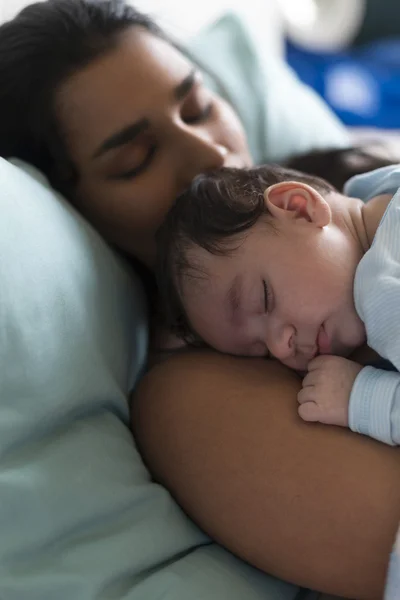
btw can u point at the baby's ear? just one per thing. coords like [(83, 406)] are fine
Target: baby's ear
[(296, 200)]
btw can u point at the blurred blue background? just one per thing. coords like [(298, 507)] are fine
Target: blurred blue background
[(349, 52)]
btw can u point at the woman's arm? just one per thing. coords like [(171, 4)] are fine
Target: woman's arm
[(315, 505)]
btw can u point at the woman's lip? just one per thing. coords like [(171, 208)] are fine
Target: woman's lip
[(323, 341)]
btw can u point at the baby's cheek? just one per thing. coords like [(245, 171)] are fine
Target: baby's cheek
[(256, 350), (360, 334)]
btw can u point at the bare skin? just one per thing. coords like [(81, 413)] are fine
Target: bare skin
[(313, 505)]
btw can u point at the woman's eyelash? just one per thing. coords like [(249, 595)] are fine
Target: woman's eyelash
[(203, 116), (139, 169)]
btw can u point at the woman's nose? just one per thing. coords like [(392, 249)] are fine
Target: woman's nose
[(201, 151)]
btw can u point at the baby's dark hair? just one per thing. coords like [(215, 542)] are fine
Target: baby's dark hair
[(216, 208)]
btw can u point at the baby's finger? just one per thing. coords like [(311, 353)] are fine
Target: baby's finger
[(318, 362), (306, 395), (310, 378), (309, 411)]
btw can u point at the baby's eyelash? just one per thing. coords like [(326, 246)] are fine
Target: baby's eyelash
[(266, 295)]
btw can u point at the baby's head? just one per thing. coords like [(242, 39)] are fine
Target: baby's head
[(262, 262)]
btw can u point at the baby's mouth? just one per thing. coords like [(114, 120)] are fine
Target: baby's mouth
[(323, 341), (308, 352)]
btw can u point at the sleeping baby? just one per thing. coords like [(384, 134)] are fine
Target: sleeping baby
[(274, 263)]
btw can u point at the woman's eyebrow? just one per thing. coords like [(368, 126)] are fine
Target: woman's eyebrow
[(128, 133)]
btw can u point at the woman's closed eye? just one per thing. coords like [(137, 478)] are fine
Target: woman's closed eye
[(198, 106), (200, 116), (137, 159)]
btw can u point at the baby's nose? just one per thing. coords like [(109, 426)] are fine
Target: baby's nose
[(282, 346)]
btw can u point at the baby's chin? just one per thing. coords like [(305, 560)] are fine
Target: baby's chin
[(300, 366)]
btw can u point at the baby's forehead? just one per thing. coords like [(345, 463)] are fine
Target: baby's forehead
[(205, 271), (204, 263), (197, 270)]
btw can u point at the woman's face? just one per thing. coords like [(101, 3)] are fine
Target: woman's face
[(140, 125)]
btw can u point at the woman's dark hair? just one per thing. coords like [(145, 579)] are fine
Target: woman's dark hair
[(212, 214), (49, 41), (39, 49), (338, 165)]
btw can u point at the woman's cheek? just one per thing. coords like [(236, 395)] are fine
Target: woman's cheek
[(232, 133)]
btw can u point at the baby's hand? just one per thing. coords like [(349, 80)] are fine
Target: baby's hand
[(326, 390)]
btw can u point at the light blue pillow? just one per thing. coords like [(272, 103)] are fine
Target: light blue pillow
[(80, 518), (282, 116)]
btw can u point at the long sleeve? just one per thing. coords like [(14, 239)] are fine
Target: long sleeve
[(375, 399), (375, 405)]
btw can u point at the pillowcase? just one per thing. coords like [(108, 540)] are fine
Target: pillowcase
[(282, 116), (80, 517)]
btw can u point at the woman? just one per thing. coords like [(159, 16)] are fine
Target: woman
[(120, 121)]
